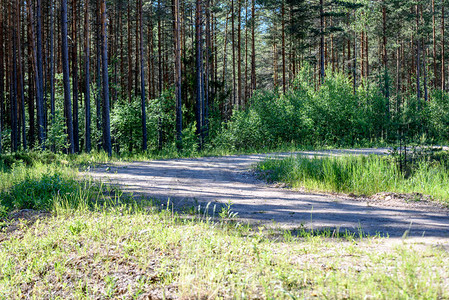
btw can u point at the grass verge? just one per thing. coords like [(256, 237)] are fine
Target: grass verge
[(98, 243), (129, 251), (365, 175)]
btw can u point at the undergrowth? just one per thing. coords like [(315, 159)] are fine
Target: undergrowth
[(365, 175), (99, 243)]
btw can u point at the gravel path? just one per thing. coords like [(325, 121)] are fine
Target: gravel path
[(219, 180)]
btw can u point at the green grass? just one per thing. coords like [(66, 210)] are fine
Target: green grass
[(98, 243), (359, 175), (128, 251)]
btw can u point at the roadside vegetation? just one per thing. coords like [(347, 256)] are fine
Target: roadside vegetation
[(113, 246), (81, 239), (419, 174)]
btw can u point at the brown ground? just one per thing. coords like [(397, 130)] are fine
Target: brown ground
[(220, 180)]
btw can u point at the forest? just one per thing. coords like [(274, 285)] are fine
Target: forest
[(127, 76), (236, 149)]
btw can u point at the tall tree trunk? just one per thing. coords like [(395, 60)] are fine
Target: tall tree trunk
[(245, 80), (66, 78), (239, 54), (87, 77), (178, 75), (275, 55), (434, 48), (31, 78), (52, 67), (199, 73), (20, 77), (159, 62), (142, 80), (13, 81), (99, 93), (2, 80), (418, 61), (322, 41), (74, 49), (284, 80), (443, 79), (234, 87), (130, 49), (39, 77), (384, 55), (207, 72), (253, 46), (136, 72), (104, 57), (150, 59)]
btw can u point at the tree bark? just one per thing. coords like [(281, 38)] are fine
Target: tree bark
[(284, 80), (178, 75), (142, 81), (130, 51), (443, 79), (39, 77), (104, 57), (253, 46), (87, 77), (199, 74), (66, 78), (74, 51)]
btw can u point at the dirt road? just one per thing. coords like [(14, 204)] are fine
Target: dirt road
[(220, 180)]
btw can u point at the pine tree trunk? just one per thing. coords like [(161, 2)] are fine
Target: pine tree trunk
[(434, 48), (253, 46), (87, 77), (199, 74), (20, 77), (137, 69), (322, 41), (13, 81), (239, 54), (52, 67), (104, 57), (74, 49), (233, 56), (2, 81), (99, 93), (142, 80), (443, 79), (418, 61), (66, 78), (284, 80), (178, 75), (40, 84), (130, 49)]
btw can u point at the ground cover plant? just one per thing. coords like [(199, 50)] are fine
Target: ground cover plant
[(98, 243), (361, 175)]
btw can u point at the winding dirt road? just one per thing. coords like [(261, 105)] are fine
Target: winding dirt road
[(220, 180)]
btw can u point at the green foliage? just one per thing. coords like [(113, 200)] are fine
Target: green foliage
[(126, 125), (57, 133), (161, 120), (37, 193), (333, 115), (190, 140), (362, 175)]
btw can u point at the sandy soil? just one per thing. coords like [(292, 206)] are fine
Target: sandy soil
[(219, 180)]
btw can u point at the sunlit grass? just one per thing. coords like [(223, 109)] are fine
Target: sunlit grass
[(359, 175), (130, 251), (98, 243)]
